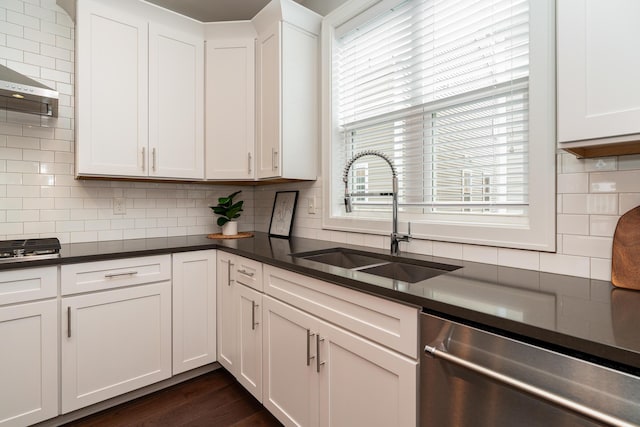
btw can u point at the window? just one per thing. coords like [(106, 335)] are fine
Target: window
[(459, 94)]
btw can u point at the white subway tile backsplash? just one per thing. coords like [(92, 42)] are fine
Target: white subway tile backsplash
[(601, 268), (602, 204), (575, 204), (603, 225), (11, 30), (13, 5), (11, 54), (483, 254), (40, 37), (19, 18), (573, 224), (573, 183), (448, 250), (23, 44), (45, 15), (529, 260), (565, 264), (589, 246), (629, 201), (40, 203)]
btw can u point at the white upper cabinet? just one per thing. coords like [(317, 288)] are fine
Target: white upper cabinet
[(140, 92), (287, 55), (111, 91), (598, 89), (176, 103), (230, 101)]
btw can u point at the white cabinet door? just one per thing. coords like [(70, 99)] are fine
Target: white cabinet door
[(111, 91), (362, 383), (230, 112), (194, 309), (114, 342), (287, 102), (176, 103), (268, 102), (28, 363), (598, 58), (249, 366), (290, 390), (226, 313)]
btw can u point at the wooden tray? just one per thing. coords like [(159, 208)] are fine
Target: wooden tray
[(625, 262), (240, 235)]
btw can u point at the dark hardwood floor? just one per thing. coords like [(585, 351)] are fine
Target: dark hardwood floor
[(213, 399)]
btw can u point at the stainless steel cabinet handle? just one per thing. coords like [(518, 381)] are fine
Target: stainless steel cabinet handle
[(528, 388), (253, 315), (68, 322), (318, 362), (114, 275), (153, 159), (309, 356), (275, 160), (249, 162), (144, 155), (229, 280), (246, 273)]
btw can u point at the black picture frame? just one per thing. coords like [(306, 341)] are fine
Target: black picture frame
[(283, 213)]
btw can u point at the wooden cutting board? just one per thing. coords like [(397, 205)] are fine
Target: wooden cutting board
[(625, 263)]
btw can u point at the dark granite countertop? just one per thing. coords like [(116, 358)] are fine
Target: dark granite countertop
[(587, 318)]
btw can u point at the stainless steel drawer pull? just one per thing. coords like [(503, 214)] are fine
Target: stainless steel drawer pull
[(229, 280), (246, 273), (318, 362), (253, 315), (114, 275), (528, 388), (309, 356), (68, 322)]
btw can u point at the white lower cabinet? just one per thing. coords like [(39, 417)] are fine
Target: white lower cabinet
[(114, 341), (28, 363), (240, 320), (226, 313), (194, 309), (249, 363), (319, 374)]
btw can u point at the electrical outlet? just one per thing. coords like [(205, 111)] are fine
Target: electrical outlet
[(119, 206), (311, 207)]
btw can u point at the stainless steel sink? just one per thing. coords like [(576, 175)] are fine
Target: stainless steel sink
[(341, 257), (409, 273), (378, 264)]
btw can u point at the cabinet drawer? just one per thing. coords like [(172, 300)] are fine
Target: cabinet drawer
[(28, 284), (101, 275), (388, 323), (249, 273)]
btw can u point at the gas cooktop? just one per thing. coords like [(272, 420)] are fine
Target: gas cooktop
[(29, 249)]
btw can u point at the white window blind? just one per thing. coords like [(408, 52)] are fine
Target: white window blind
[(441, 87)]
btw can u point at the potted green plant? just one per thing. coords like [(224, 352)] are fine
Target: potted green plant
[(228, 211)]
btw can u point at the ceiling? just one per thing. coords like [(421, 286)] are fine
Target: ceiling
[(215, 10)]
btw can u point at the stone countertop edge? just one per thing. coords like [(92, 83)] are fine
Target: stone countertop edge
[(277, 252)]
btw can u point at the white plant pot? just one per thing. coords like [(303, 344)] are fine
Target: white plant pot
[(230, 228)]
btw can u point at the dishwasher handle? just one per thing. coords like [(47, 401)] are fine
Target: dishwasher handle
[(532, 390)]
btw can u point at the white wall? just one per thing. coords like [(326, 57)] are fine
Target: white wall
[(39, 196)]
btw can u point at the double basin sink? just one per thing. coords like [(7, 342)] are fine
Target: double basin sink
[(378, 264)]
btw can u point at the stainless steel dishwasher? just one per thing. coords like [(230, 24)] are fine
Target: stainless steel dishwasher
[(471, 377)]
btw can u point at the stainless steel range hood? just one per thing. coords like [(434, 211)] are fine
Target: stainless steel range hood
[(21, 93)]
